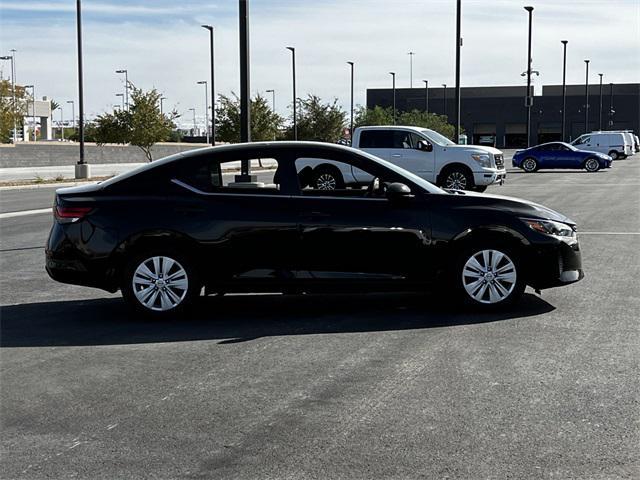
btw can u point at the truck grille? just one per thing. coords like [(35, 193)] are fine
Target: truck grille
[(499, 161)]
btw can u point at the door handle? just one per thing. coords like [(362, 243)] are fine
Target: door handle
[(315, 215), (396, 155)]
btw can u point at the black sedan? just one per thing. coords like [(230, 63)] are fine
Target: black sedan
[(163, 232)]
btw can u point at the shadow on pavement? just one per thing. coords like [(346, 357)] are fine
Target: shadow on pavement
[(233, 319)]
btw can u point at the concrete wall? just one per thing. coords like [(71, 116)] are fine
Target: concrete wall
[(44, 154)]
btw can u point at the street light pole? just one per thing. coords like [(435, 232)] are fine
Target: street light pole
[(73, 114), (600, 111), (121, 95), (444, 100), (411, 54), (393, 77), (213, 89), (351, 110), (81, 170), (273, 105), (293, 70), (162, 99), (529, 97), (33, 106), (611, 112), (458, 45), (61, 123), (206, 106), (426, 96), (195, 125), (586, 97), (564, 88)]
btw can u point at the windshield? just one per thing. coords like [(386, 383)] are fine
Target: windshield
[(435, 137), (429, 187)]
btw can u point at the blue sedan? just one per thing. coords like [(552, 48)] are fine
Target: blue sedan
[(559, 155)]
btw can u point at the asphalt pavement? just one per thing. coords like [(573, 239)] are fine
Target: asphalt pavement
[(340, 386)]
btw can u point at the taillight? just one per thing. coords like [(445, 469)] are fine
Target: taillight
[(70, 214)]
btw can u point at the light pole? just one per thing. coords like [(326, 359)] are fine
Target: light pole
[(393, 77), (13, 91), (458, 45), (273, 99), (529, 97), (206, 106), (426, 96), (61, 123), (611, 111), (73, 114), (351, 64), (213, 86), (33, 106), (586, 97), (293, 70), (411, 54), (121, 95), (194, 120), (564, 87), (162, 99), (81, 170), (444, 100), (126, 85), (600, 111)]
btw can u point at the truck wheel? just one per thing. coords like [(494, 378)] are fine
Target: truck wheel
[(614, 155), (327, 178), (457, 178)]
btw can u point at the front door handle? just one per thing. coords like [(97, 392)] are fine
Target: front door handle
[(396, 155)]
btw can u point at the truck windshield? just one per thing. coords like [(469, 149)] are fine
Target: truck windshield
[(435, 137)]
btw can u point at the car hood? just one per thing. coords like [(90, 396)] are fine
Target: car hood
[(517, 206), (475, 149)]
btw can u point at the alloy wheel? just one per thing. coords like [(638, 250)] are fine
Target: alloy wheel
[(592, 165), (160, 283), (456, 181), (489, 276), (529, 165), (326, 181)]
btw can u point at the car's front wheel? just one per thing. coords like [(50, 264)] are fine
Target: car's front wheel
[(529, 165), (490, 276), (592, 165), (160, 284)]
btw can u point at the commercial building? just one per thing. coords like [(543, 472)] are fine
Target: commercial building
[(497, 115)]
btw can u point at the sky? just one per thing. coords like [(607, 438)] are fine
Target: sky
[(162, 45)]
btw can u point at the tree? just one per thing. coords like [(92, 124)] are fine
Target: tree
[(318, 121), (265, 123), (416, 118), (10, 114), (142, 125)]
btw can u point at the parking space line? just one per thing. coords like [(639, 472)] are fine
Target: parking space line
[(25, 212)]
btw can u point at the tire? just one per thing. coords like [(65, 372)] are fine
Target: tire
[(614, 155), (591, 165), (160, 283), (529, 165), (457, 178), (481, 188), (478, 284), (327, 178)]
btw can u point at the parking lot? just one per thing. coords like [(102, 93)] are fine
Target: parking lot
[(373, 386)]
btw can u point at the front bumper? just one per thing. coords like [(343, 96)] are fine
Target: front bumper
[(554, 265), (489, 176)]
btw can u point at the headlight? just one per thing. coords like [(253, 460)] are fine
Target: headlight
[(549, 227), (483, 159)]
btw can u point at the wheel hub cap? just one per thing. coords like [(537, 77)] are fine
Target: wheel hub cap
[(489, 276), (160, 283)]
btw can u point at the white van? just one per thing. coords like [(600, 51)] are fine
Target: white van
[(614, 144)]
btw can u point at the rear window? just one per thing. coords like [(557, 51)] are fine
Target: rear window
[(376, 139)]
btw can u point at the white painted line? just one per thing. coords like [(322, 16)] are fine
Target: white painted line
[(25, 212), (607, 233)]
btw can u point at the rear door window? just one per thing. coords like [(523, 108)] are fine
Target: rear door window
[(377, 139)]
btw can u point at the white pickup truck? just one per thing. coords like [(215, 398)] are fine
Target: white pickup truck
[(421, 151)]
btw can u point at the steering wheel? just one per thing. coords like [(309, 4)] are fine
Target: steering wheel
[(376, 188)]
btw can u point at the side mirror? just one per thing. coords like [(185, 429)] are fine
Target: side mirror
[(398, 191), (425, 146)]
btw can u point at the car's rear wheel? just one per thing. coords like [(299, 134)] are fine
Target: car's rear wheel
[(490, 276), (160, 284), (529, 165), (457, 178), (326, 178), (614, 155), (591, 165)]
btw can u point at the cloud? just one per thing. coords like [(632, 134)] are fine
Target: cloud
[(171, 51)]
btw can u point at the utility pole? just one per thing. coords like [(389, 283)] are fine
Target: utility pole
[(73, 114), (213, 89), (611, 111), (529, 97), (295, 101), (600, 111), (393, 76), (426, 96), (586, 98), (206, 107), (351, 110), (458, 46), (245, 92), (564, 89), (411, 54), (82, 170)]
